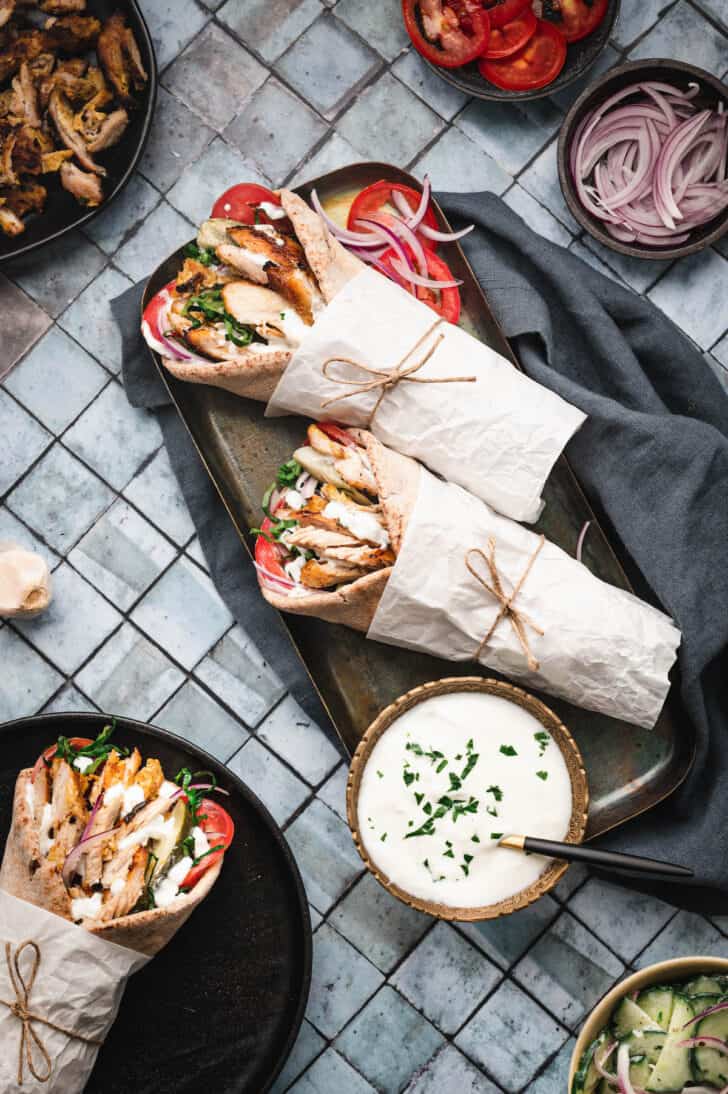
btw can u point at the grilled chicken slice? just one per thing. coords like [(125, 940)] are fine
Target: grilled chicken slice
[(267, 311), (211, 342), (62, 115), (368, 558), (119, 904), (328, 574), (332, 493), (31, 145), (317, 539), (324, 444), (84, 186), (271, 258), (119, 56), (110, 132), (8, 140), (348, 461), (118, 862), (150, 778), (69, 808)]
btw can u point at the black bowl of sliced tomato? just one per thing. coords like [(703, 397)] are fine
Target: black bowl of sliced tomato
[(510, 50)]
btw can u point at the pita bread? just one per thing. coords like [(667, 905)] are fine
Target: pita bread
[(354, 605), (254, 373), (27, 875)]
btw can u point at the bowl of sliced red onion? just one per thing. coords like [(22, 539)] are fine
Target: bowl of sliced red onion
[(643, 159)]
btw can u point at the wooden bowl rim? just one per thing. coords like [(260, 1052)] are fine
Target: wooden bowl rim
[(673, 969), (568, 127), (548, 719)]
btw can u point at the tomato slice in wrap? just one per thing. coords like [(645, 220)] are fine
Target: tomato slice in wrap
[(218, 826), (242, 203), (46, 757), (447, 32)]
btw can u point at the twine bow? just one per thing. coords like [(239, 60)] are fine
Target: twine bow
[(518, 619), (386, 379), (20, 1009)]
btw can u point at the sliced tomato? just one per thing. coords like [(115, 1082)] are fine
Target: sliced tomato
[(511, 36), (47, 756), (501, 12), (372, 199), (576, 18), (242, 203), (268, 555), (534, 65), (218, 826), (446, 302), (452, 32), (331, 429), (154, 308)]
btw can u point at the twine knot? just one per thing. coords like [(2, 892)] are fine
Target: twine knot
[(508, 610), (31, 1046), (385, 379)]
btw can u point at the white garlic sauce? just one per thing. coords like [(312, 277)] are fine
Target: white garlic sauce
[(363, 525), (462, 770)]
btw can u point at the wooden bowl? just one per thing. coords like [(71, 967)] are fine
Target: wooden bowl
[(560, 734), (712, 91), (677, 968), (580, 56)]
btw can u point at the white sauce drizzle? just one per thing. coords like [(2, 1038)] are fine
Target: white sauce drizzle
[(364, 525), (83, 763), (133, 796), (46, 823), (527, 792), (156, 829), (86, 907)]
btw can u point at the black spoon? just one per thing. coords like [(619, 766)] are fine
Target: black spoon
[(606, 860)]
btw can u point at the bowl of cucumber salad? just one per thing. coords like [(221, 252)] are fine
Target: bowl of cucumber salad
[(663, 1030)]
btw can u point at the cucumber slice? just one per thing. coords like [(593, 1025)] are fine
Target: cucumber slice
[(640, 1069), (658, 1003), (711, 1065), (165, 846), (703, 985), (628, 1017), (587, 1078), (646, 1042), (673, 1069)]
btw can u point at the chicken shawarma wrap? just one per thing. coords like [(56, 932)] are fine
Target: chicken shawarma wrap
[(357, 534), (105, 860), (108, 842), (245, 297)]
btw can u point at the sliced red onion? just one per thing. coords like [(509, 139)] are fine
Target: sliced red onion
[(273, 578), (705, 1042), (92, 816), (389, 236), (600, 1061), (208, 786), (444, 237), (356, 239), (623, 1080), (70, 866), (424, 282), (414, 219), (704, 1013), (406, 235), (580, 540), (306, 485)]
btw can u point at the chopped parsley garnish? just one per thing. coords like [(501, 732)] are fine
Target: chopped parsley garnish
[(185, 778), (408, 776), (543, 775), (508, 750), (383, 836), (419, 797), (380, 774), (205, 255), (496, 835), (98, 751), (496, 792), (208, 305), (544, 741), (492, 810), (475, 839), (433, 755)]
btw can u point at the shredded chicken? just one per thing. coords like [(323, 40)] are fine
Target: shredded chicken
[(84, 186), (327, 574), (120, 58), (62, 115)]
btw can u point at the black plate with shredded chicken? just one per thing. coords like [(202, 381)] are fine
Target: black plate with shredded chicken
[(63, 212), (220, 1007)]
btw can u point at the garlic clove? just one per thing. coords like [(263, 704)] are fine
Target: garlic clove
[(25, 582)]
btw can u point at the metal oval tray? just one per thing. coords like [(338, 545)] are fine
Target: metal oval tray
[(629, 769)]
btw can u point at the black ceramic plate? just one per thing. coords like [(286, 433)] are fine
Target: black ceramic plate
[(219, 1008), (62, 212), (580, 56)]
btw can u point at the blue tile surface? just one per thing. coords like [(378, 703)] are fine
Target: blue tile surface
[(399, 1003)]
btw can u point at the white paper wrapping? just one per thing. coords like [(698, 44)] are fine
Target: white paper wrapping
[(79, 985), (498, 437), (602, 647)]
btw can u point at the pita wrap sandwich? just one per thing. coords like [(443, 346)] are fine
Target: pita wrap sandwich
[(107, 842), (244, 298), (334, 521)]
